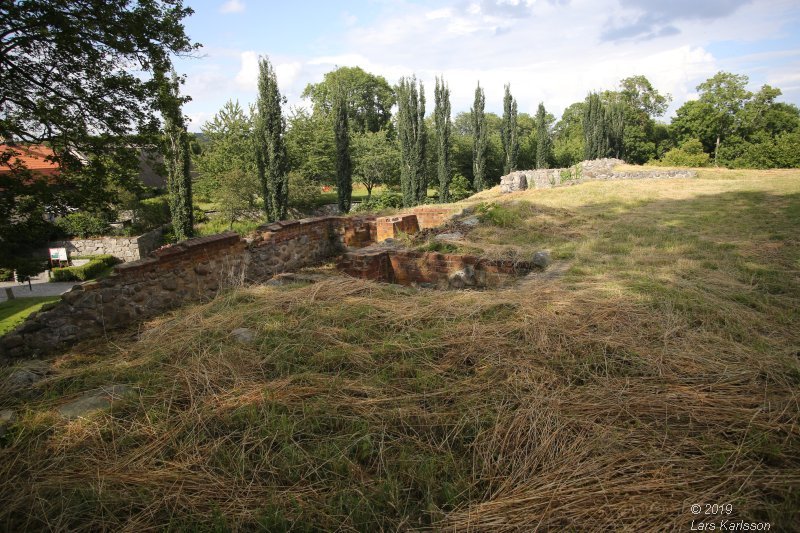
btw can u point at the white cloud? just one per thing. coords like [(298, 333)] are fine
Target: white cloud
[(247, 76), (232, 6), (549, 51)]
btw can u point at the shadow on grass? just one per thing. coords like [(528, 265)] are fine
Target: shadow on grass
[(13, 312)]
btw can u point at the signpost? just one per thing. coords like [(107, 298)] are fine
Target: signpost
[(58, 256)]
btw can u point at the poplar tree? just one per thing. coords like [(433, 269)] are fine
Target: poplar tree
[(176, 156), (595, 130), (412, 136), (615, 128), (270, 144), (344, 165), (443, 126), (508, 132), (479, 139), (543, 141)]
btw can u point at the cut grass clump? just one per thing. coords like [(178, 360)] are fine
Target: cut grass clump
[(662, 370)]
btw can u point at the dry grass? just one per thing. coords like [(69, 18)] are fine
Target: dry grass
[(661, 372)]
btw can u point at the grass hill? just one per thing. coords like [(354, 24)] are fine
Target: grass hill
[(656, 366)]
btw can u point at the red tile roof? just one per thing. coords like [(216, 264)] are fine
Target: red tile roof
[(33, 157)]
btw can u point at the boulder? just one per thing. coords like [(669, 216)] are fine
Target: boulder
[(244, 335), (541, 259), (516, 181)]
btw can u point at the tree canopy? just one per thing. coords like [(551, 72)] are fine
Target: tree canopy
[(80, 76), (72, 70), (369, 97)]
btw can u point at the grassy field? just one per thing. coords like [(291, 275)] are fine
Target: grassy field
[(13, 312), (660, 370)]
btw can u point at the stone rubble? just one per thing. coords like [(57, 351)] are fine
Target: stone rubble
[(597, 169)]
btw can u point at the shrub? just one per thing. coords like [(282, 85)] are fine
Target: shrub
[(689, 154), (303, 192), (574, 172), (385, 200), (459, 188), (82, 224), (152, 213), (90, 270), (498, 215), (6, 274)]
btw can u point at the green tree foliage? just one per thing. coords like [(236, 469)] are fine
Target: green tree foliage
[(595, 130), (640, 96), (725, 95), (344, 165), (369, 97), (479, 140), (740, 128), (177, 159), (615, 128), (689, 154), (568, 136), (695, 120), (411, 133), (66, 78), (443, 126), (311, 146), (376, 160), (304, 193), (544, 146), (508, 132), (228, 150), (270, 145)]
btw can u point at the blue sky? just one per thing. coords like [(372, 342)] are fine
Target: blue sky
[(553, 51)]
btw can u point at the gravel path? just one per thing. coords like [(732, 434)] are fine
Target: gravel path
[(40, 287)]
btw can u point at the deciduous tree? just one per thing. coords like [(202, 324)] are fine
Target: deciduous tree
[(369, 97), (725, 95), (67, 78), (376, 160)]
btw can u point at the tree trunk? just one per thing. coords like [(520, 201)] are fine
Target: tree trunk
[(716, 151)]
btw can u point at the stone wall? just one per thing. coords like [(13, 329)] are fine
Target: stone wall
[(598, 169), (443, 271), (182, 273), (199, 268), (125, 248), (288, 245), (188, 271)]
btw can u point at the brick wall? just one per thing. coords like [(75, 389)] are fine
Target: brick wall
[(430, 268), (391, 227), (433, 216)]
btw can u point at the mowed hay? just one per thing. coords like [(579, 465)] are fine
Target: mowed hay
[(607, 400)]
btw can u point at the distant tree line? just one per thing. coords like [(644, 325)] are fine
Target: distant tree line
[(268, 159)]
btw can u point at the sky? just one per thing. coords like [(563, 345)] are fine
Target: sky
[(550, 51)]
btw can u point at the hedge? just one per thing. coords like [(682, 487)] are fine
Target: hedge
[(90, 270)]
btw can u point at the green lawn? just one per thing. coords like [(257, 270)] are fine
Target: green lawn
[(13, 312)]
